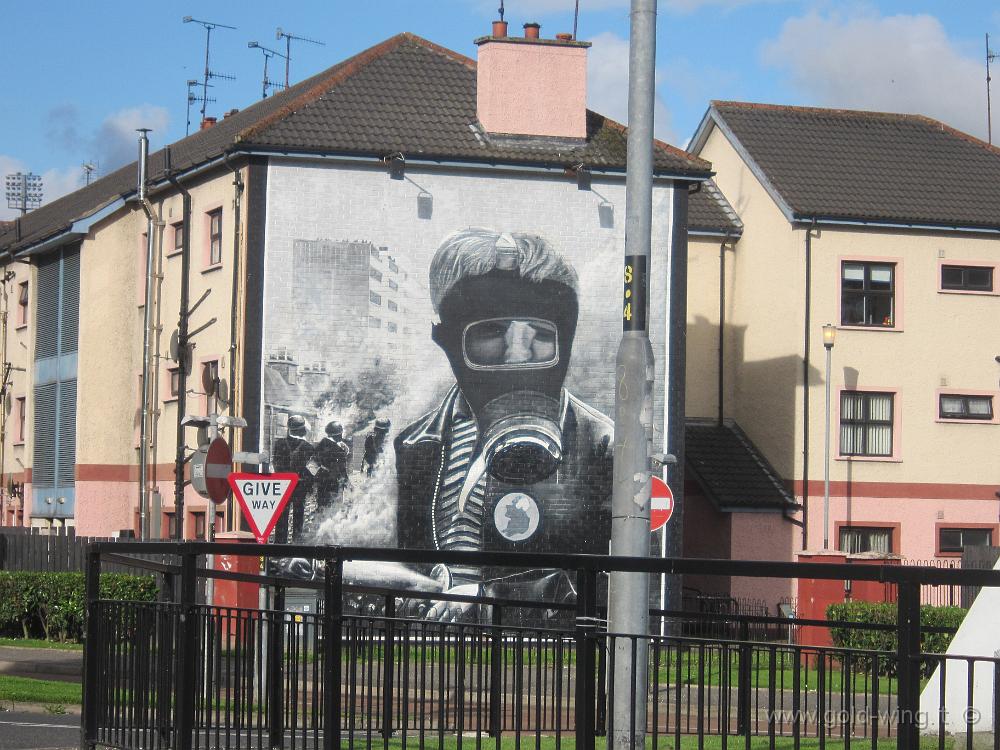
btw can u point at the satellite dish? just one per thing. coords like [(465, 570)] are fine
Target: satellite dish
[(175, 346), (222, 390), (208, 381)]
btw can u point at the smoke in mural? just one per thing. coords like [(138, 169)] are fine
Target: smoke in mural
[(441, 379)]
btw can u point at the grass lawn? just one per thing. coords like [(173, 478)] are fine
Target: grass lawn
[(27, 690), (568, 742), (39, 643)]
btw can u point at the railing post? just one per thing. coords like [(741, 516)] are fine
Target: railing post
[(388, 663), (187, 653), (586, 688), (908, 669), (92, 659), (743, 680), (496, 669), (333, 632), (276, 670)]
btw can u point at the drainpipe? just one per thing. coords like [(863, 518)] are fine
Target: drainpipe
[(807, 326), (152, 223), (238, 187), (722, 325), (182, 348)]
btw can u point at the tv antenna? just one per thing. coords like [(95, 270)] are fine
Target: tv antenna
[(576, 18), (268, 54), (24, 191), (192, 98), (282, 34), (89, 168), (500, 10), (990, 57), (209, 74)]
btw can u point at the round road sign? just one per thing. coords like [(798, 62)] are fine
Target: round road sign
[(218, 465), (662, 504)]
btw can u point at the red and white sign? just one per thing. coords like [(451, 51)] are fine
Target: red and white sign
[(262, 497), (218, 464), (662, 504)]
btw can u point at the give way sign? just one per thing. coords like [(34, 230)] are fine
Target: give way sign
[(661, 506), (262, 497)]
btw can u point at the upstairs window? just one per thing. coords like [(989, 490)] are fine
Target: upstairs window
[(215, 237), (375, 274), (178, 234), (967, 278), (375, 298), (955, 540), (956, 406), (868, 294), (866, 423), (22, 304)]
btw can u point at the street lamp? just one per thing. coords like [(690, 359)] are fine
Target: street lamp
[(829, 336)]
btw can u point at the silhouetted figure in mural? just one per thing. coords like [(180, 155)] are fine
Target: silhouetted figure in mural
[(332, 454), (510, 460), (375, 446), (292, 454)]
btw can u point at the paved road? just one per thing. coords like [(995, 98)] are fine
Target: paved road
[(42, 663), (20, 730)]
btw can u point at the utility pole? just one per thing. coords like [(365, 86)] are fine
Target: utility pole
[(628, 596)]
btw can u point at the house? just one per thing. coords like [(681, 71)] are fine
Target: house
[(369, 245), (886, 227)]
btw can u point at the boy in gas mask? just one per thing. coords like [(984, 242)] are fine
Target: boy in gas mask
[(510, 460)]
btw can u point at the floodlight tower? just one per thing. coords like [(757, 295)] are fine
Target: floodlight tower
[(268, 54), (282, 34), (209, 74), (24, 191)]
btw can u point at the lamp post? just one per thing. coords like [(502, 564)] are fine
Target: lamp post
[(829, 335)]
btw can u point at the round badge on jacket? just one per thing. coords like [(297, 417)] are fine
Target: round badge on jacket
[(516, 516)]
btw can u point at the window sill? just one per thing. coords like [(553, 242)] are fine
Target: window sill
[(20, 326), (173, 253), (870, 459), (951, 555), (213, 267), (943, 420), (884, 329), (18, 444), (973, 292), (170, 400)]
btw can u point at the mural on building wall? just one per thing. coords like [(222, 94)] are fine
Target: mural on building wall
[(446, 388)]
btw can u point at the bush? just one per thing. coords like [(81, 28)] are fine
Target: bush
[(52, 605), (884, 613)]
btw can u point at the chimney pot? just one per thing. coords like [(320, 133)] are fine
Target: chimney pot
[(208, 122), (564, 37), (499, 29), (531, 30)]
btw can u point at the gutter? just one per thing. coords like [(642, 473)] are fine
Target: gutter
[(820, 221)]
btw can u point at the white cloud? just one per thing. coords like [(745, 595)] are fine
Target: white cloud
[(901, 63), (607, 84), (115, 142)]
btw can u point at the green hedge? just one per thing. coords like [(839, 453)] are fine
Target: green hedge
[(51, 605), (884, 613)]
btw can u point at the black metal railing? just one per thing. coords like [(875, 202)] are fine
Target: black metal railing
[(384, 667)]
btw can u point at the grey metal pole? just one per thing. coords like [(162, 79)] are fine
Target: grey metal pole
[(826, 455), (628, 596), (147, 324)]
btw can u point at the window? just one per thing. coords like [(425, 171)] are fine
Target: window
[(392, 306), (856, 539), (210, 380), (375, 298), (393, 267), (215, 237), (954, 406), (867, 294), (375, 274), (865, 423), (955, 540), (169, 527), (178, 245), (199, 525), (374, 252), (391, 327), (374, 322), (22, 304), (967, 278), (20, 418), (393, 285), (174, 382)]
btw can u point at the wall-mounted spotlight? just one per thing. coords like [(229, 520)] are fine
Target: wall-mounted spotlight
[(397, 165), (425, 205), (583, 177)]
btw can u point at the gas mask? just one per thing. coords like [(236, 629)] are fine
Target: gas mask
[(508, 340)]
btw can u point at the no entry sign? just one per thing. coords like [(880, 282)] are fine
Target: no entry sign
[(662, 504), (262, 497), (218, 464)]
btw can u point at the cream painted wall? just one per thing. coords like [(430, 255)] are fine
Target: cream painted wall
[(20, 348)]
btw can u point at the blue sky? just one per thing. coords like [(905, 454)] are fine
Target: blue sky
[(82, 76)]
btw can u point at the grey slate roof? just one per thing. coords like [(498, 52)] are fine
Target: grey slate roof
[(867, 166), (730, 470), (709, 212), (405, 94)]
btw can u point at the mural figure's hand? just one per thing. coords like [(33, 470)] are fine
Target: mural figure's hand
[(445, 611)]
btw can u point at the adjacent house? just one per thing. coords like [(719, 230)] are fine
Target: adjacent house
[(886, 227)]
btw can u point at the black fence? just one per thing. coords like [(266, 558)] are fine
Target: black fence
[(59, 550), (404, 667)]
